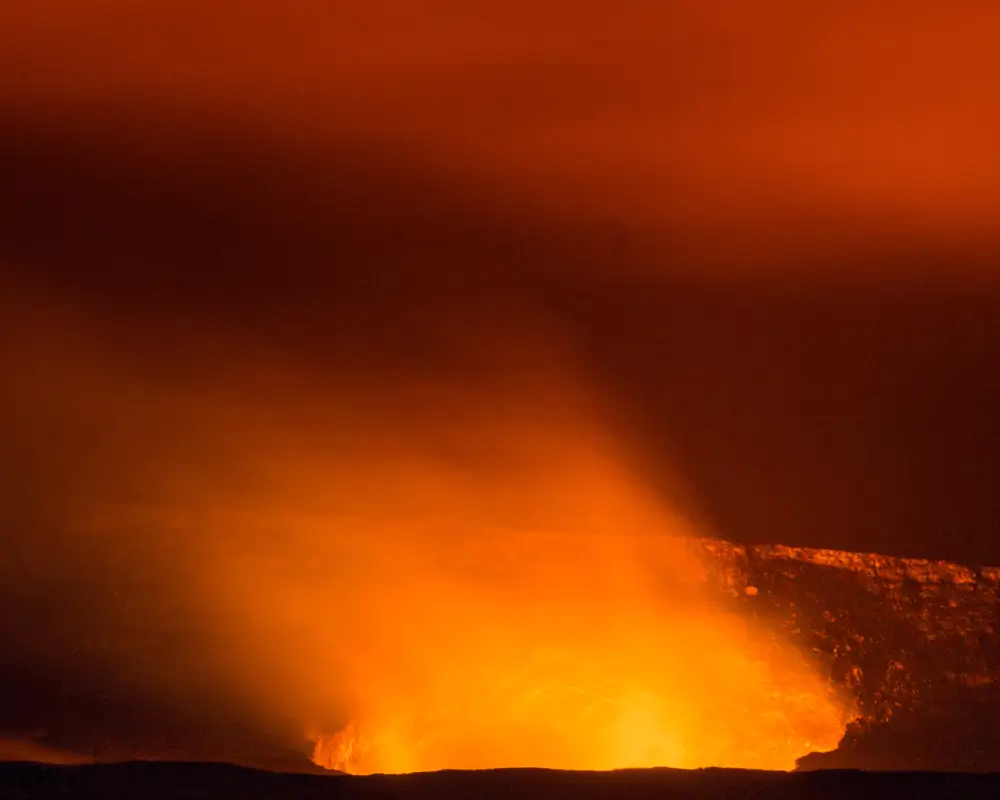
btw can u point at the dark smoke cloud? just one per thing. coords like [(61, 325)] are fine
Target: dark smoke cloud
[(764, 240)]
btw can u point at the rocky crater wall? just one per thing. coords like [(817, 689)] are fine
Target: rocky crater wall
[(914, 642)]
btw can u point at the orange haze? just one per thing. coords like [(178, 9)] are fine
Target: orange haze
[(451, 644), (489, 585), (561, 650), (358, 494)]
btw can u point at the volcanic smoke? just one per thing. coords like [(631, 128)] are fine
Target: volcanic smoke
[(470, 639), (446, 577), (570, 651)]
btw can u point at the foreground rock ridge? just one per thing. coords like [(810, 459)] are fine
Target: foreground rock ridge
[(913, 643), (166, 781)]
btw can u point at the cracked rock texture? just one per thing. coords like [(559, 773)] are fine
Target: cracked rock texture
[(914, 643)]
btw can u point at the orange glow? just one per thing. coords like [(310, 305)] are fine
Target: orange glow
[(31, 749), (473, 577), (724, 124), (590, 664), (354, 484), (591, 644), (493, 587)]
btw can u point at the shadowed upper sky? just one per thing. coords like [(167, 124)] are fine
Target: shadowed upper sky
[(762, 235)]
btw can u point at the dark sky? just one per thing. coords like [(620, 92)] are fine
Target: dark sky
[(238, 243)]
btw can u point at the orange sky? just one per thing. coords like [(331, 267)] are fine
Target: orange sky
[(717, 113)]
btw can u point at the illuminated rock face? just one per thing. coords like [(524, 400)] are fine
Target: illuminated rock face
[(905, 648), (913, 641)]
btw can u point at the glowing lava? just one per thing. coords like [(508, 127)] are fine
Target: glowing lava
[(599, 660), (501, 590)]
